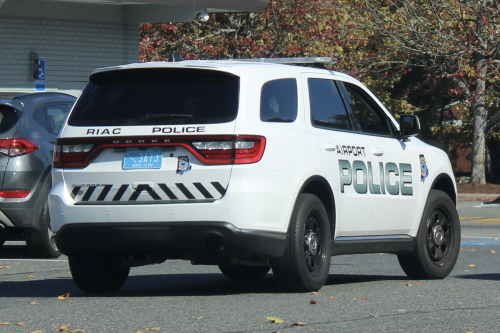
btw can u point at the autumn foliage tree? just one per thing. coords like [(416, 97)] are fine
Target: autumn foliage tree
[(456, 40)]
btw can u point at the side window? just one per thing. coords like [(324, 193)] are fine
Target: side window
[(365, 112), (327, 107), (278, 101), (56, 115), (7, 118), (39, 116)]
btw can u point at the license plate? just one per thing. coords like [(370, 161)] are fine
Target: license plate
[(142, 159)]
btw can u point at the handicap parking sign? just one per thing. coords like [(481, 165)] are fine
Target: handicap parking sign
[(40, 82)]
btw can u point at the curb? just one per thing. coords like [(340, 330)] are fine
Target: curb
[(477, 197)]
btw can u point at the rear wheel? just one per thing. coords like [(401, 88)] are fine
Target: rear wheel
[(242, 272), (306, 262), (97, 275), (41, 243), (438, 240)]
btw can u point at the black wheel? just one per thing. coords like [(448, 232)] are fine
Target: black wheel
[(242, 272), (97, 275), (438, 240), (42, 243), (306, 262)]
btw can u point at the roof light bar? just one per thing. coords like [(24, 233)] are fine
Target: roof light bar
[(295, 60)]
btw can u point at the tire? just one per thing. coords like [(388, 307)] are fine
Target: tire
[(97, 275), (242, 272), (42, 243), (438, 240), (306, 262)]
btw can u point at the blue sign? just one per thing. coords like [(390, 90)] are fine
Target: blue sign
[(40, 82)]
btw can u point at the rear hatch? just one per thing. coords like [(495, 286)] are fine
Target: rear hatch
[(153, 136)]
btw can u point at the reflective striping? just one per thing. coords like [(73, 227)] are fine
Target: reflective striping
[(168, 192), (120, 192), (141, 188), (203, 190), (128, 193), (75, 191), (104, 192), (185, 191), (88, 194), (219, 187)]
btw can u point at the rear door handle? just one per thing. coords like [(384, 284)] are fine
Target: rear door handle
[(377, 152), (329, 147)]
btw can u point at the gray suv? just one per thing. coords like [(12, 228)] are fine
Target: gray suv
[(29, 125)]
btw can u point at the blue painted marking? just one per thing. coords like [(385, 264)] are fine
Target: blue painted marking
[(480, 243)]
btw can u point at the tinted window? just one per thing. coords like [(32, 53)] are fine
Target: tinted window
[(7, 118), (157, 97), (39, 116), (327, 107), (56, 115), (366, 113), (278, 101)]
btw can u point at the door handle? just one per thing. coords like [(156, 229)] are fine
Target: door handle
[(377, 152), (329, 147)]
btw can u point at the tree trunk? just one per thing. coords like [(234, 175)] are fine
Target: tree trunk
[(479, 117)]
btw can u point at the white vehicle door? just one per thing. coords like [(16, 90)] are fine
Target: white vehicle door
[(395, 166), (345, 154)]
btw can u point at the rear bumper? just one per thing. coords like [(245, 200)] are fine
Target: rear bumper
[(158, 237)]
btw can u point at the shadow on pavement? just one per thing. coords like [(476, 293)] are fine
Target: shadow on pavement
[(15, 252), (485, 276), (171, 285)]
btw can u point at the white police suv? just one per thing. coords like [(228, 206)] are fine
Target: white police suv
[(248, 165)]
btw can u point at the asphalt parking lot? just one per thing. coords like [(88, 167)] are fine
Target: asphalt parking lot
[(364, 293)]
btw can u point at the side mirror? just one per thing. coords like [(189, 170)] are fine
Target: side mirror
[(409, 125)]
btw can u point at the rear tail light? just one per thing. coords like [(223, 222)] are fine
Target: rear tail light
[(16, 147), (237, 149), (14, 194)]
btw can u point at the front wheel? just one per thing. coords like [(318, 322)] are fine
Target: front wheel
[(242, 272), (41, 243), (306, 262), (438, 240), (97, 275)]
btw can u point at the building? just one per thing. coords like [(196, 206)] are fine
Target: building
[(65, 40)]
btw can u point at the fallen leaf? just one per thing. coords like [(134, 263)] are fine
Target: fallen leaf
[(418, 284), (36, 332), (63, 297), (331, 297), (34, 303), (31, 276), (363, 298), (428, 307), (313, 301), (299, 324), (354, 265), (275, 320), (76, 331), (198, 318), (402, 310), (408, 284), (316, 329), (492, 252), (21, 324), (314, 293), (4, 323), (466, 270), (138, 332), (4, 267), (472, 265), (64, 328), (374, 316), (152, 329)]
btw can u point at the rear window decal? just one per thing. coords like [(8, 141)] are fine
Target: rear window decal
[(183, 165)]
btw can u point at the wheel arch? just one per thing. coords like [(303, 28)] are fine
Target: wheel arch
[(444, 183), (319, 186)]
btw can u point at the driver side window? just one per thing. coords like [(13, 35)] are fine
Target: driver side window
[(364, 109)]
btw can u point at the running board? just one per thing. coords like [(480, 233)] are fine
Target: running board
[(373, 244)]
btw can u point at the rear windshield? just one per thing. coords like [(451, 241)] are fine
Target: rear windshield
[(157, 97), (8, 118)]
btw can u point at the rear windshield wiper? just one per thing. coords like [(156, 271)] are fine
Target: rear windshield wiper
[(157, 116)]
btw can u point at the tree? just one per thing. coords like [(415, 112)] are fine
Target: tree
[(454, 39)]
